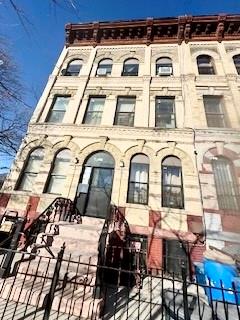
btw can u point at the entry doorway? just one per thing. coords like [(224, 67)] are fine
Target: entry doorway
[(95, 187)]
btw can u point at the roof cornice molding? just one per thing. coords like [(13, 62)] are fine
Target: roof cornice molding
[(148, 31)]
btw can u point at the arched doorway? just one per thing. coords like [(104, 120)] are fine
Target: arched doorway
[(95, 187)]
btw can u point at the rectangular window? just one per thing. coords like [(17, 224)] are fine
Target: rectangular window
[(214, 111), (165, 112), (58, 109), (125, 111), (94, 111)]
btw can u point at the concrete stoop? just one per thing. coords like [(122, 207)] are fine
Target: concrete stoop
[(78, 268), (73, 300)]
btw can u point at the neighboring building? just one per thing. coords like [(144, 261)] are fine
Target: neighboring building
[(141, 114)]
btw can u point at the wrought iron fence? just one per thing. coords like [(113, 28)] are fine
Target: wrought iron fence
[(76, 287)]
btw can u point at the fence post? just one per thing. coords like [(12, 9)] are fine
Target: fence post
[(5, 268), (185, 296), (50, 295)]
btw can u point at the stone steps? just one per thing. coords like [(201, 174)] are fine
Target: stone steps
[(77, 231), (45, 267), (74, 300)]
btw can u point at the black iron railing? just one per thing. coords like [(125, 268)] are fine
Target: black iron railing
[(61, 209), (65, 287)]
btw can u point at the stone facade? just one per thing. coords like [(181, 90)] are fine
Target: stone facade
[(192, 141)]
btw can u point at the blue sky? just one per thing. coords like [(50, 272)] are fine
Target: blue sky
[(36, 47)]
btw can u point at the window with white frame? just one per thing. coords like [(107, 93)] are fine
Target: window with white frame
[(59, 172), (31, 170), (226, 185), (58, 109), (165, 112), (172, 185), (138, 180), (164, 66), (130, 67), (214, 111), (94, 110), (125, 111), (104, 67)]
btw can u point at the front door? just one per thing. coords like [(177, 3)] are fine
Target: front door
[(99, 192), (95, 187)]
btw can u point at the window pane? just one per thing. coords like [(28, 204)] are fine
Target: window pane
[(61, 103), (104, 67), (131, 69), (139, 172), (236, 60), (124, 119), (165, 113), (96, 104), (164, 61), (59, 172), (33, 165), (56, 116), (172, 176), (138, 180), (101, 159), (172, 197), (74, 67), (214, 111), (138, 193), (126, 104), (56, 184), (125, 111), (94, 111), (93, 118), (58, 109), (60, 166), (172, 189), (226, 186), (27, 181), (205, 65)]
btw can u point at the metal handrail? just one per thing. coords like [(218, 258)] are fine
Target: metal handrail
[(60, 209)]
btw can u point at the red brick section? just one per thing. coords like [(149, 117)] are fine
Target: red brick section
[(155, 253), (4, 198), (195, 224), (196, 251), (31, 209), (230, 223)]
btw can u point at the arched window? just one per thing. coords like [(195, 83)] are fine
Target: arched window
[(138, 180), (59, 172), (226, 186), (130, 67), (205, 64), (31, 170), (236, 60), (104, 67), (73, 69), (172, 186), (164, 66)]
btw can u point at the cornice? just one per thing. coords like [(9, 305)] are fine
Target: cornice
[(148, 31)]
